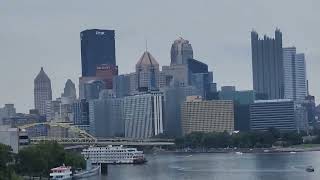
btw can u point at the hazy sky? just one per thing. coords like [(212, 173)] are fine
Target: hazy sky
[(37, 33)]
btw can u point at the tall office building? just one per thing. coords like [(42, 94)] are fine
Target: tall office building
[(300, 77), (173, 99), (181, 51), (80, 110), (242, 101), (179, 74), (42, 91), (106, 73), (97, 47), (295, 84), (121, 85), (267, 66), (147, 72), (202, 82), (143, 115), (69, 90), (7, 111), (53, 110), (60, 109), (106, 118), (207, 116), (91, 89)]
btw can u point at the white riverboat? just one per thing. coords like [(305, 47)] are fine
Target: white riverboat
[(61, 173), (114, 155)]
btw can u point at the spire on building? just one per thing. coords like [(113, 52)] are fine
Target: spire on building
[(147, 59), (147, 70)]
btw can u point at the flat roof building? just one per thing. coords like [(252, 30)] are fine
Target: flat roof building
[(282, 114), (207, 116)]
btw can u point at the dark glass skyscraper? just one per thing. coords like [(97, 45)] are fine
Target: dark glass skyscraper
[(97, 47), (267, 66)]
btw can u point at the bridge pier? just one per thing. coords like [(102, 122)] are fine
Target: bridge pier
[(104, 168)]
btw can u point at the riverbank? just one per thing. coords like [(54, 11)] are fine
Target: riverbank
[(297, 148)]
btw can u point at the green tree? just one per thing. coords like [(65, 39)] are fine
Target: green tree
[(6, 160), (39, 159)]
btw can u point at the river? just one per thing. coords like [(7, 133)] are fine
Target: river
[(277, 166)]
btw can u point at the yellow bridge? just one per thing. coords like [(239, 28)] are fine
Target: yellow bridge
[(84, 138)]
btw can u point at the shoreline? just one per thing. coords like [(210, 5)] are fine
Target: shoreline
[(244, 150)]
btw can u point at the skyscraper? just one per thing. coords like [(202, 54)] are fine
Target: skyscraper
[(105, 116), (106, 72), (267, 65), (289, 54), (295, 84), (69, 90), (147, 72), (300, 77), (80, 110), (143, 115), (42, 91), (92, 89), (181, 51), (173, 99), (97, 47)]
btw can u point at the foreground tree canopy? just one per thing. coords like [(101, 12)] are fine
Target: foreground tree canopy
[(39, 159), (6, 166)]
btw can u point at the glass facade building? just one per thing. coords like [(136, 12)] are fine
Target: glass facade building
[(267, 66), (97, 47), (282, 114), (106, 117)]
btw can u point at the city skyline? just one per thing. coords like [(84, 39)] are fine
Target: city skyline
[(58, 50)]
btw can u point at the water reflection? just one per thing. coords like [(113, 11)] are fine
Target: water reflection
[(282, 166)]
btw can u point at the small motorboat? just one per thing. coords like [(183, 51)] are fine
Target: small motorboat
[(310, 169)]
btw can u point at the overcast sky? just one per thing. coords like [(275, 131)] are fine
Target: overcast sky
[(37, 33)]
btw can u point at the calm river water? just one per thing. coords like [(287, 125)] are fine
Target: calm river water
[(279, 166)]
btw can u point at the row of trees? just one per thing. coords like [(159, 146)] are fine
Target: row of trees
[(240, 140), (36, 160)]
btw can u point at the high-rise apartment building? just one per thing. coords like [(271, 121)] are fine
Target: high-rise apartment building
[(295, 84), (267, 66), (147, 72), (181, 51), (143, 115), (42, 91), (207, 116), (97, 48)]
